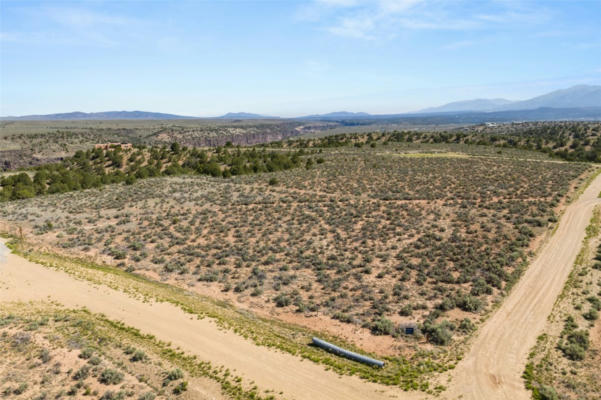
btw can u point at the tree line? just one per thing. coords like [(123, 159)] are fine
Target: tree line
[(570, 141), (97, 167)]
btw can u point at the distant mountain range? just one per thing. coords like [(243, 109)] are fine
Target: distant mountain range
[(105, 115), (133, 115), (469, 105), (244, 115), (582, 101), (581, 96), (337, 115)]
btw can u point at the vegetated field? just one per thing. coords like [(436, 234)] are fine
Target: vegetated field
[(357, 243), (49, 352), (565, 361)]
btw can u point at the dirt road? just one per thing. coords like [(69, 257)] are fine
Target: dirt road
[(493, 367), (21, 280)]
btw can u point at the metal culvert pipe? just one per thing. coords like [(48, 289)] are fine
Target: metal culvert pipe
[(345, 353)]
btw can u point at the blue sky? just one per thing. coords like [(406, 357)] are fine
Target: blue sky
[(288, 58)]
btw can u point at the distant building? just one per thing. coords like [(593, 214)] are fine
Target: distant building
[(491, 124), (105, 146)]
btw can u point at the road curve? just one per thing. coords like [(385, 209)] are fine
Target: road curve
[(22, 280), (493, 366)]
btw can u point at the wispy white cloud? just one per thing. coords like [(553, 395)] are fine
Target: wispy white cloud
[(76, 26), (368, 19), (354, 26), (45, 38), (521, 16), (395, 6), (314, 67), (587, 45), (371, 19), (9, 37), (337, 3), (81, 18), (460, 44)]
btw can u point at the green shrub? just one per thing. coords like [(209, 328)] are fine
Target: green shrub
[(591, 315), (81, 373), (45, 356), (528, 375), (21, 388), (110, 395), (110, 377), (438, 334), (469, 303), (575, 345), (282, 300), (466, 325), (382, 326), (547, 393), (406, 310), (95, 360), (86, 353), (139, 355), (173, 375), (595, 302), (180, 388)]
